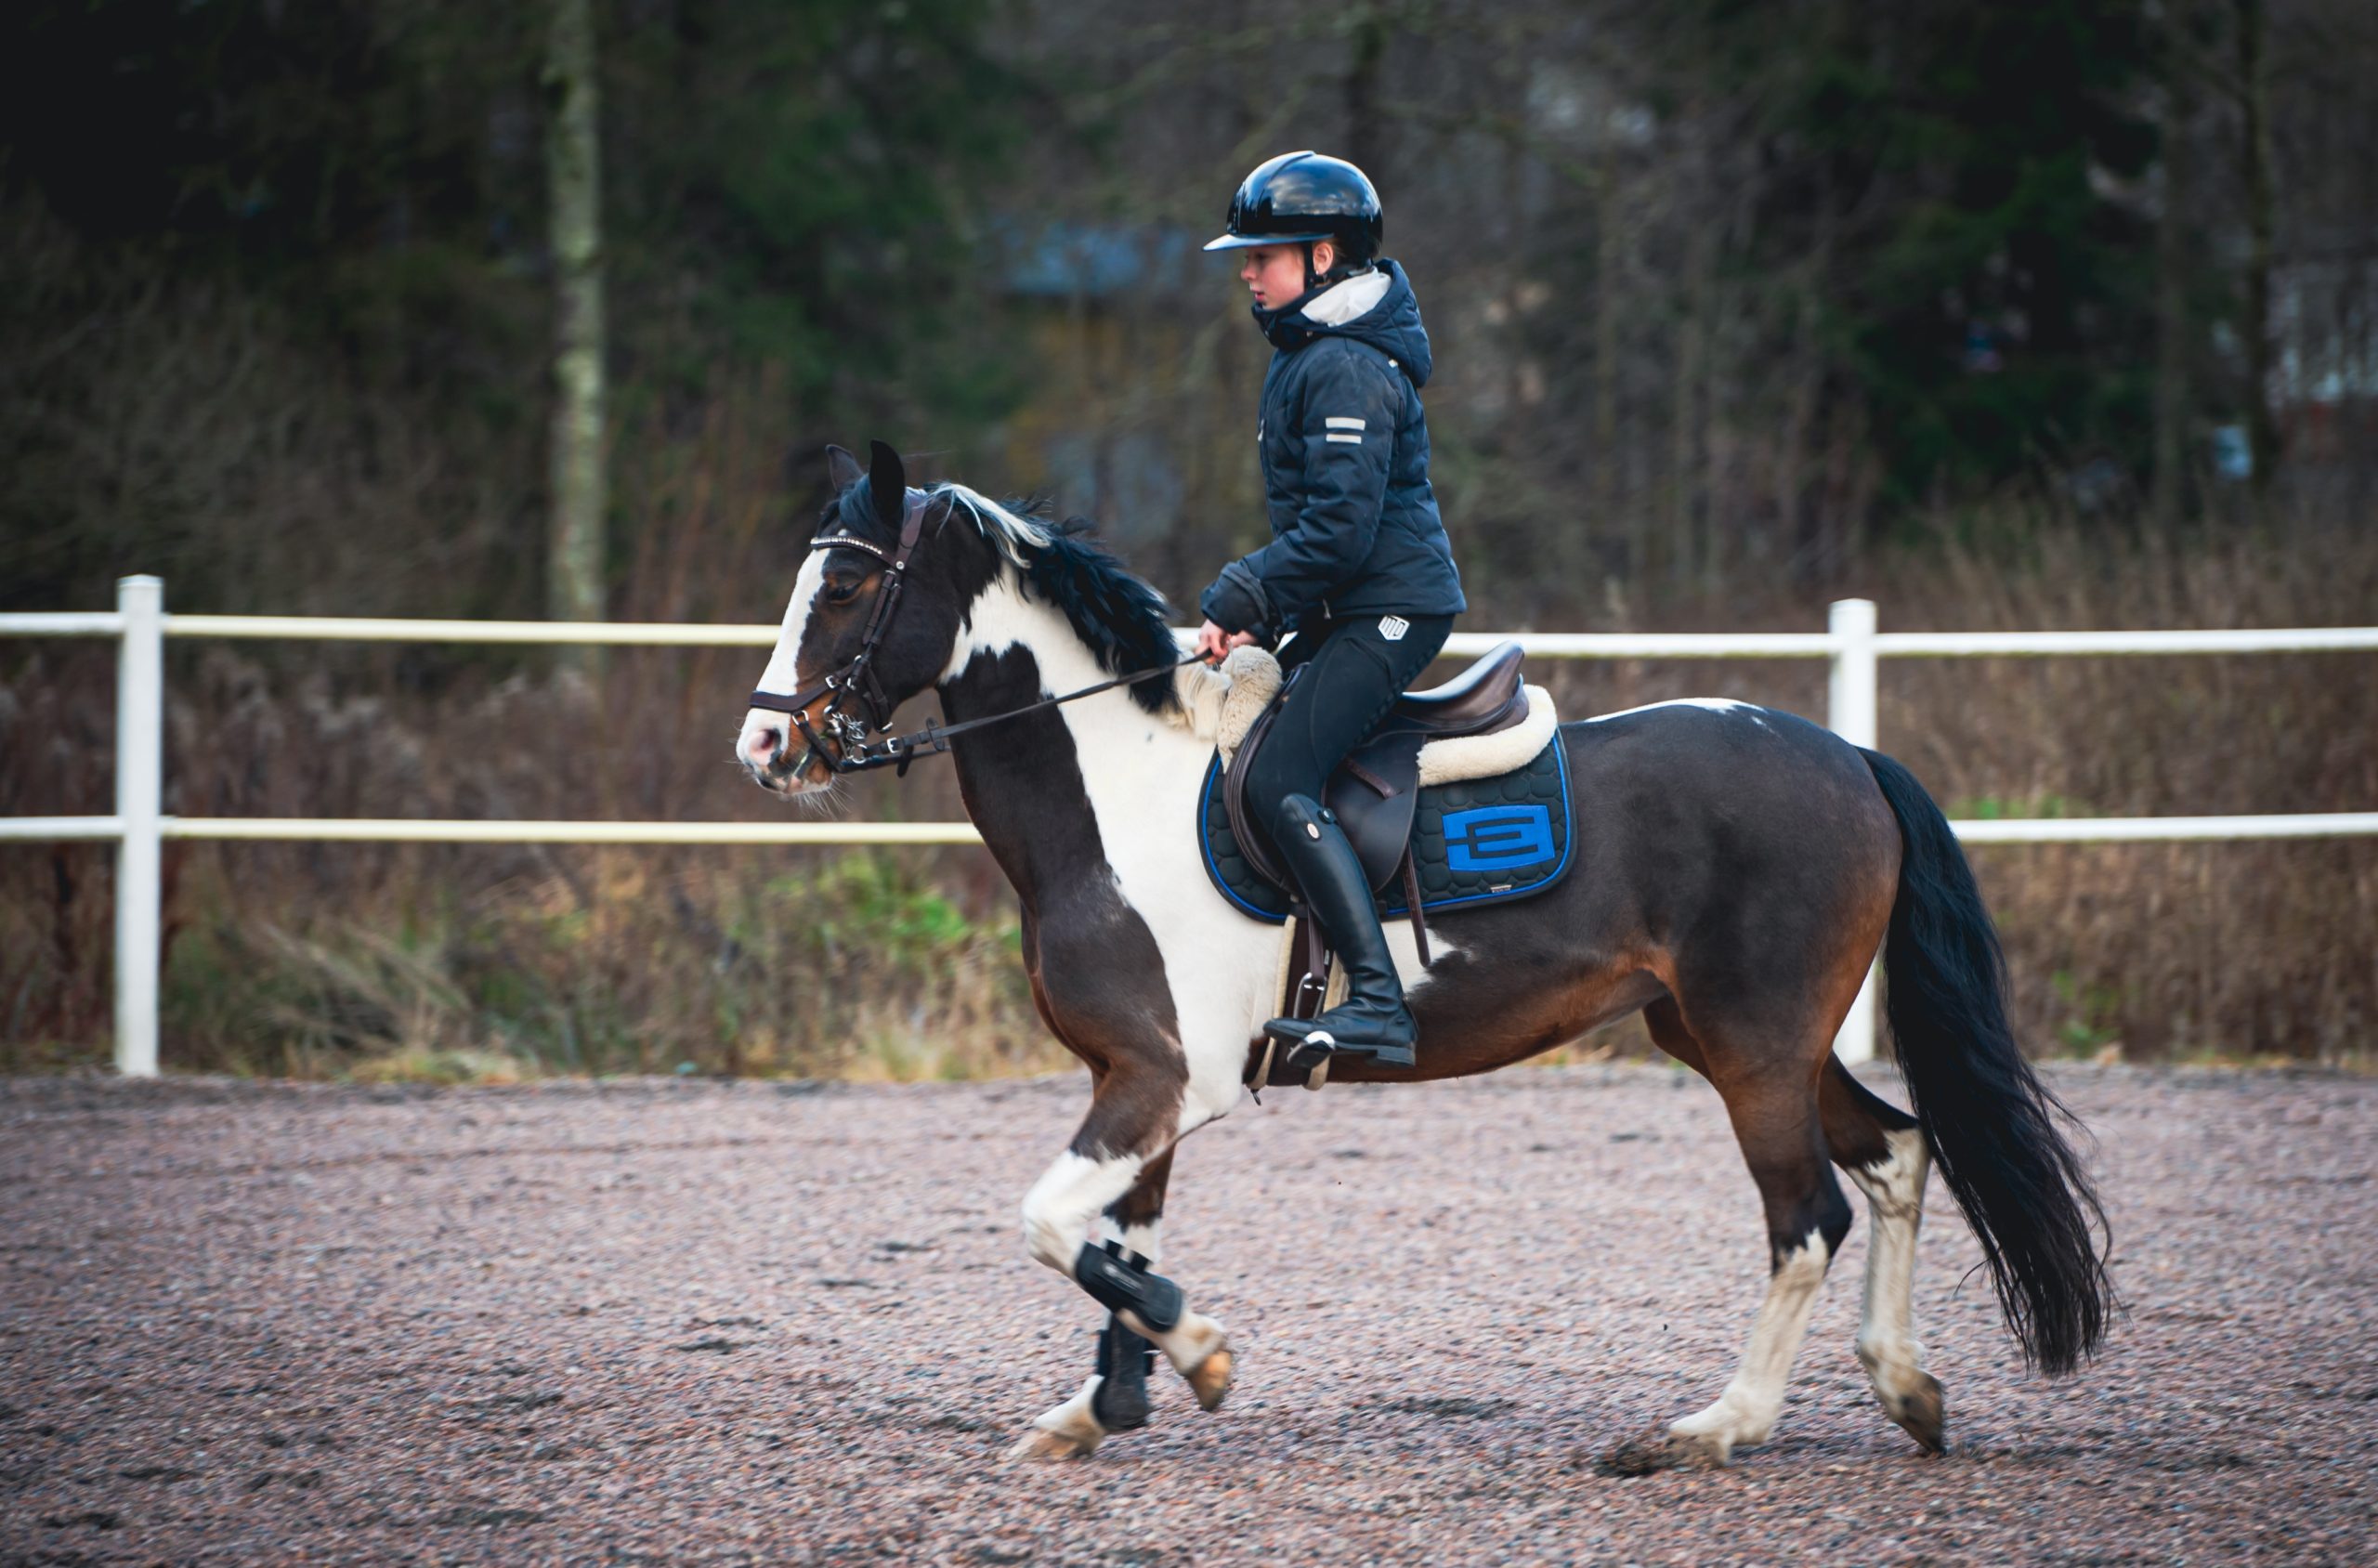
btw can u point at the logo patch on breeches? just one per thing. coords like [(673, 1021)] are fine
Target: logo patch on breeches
[(1392, 627)]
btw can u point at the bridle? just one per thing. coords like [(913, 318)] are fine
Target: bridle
[(855, 679)]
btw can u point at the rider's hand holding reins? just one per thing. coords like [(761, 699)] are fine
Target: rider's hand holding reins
[(1214, 644)]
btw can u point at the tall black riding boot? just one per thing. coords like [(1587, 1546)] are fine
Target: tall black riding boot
[(1372, 1021)]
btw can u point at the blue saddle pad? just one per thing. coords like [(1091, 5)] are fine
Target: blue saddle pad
[(1477, 841)]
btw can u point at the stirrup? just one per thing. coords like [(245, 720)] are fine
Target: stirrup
[(1309, 1047)]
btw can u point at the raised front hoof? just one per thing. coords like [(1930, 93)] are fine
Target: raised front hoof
[(1662, 1449), (1921, 1413), (1210, 1380), (1039, 1444), (1198, 1349)]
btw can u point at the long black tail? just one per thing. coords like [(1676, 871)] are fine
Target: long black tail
[(1990, 1122)]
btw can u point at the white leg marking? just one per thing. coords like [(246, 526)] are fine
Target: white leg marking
[(1063, 1210), (1745, 1413), (1066, 1207), (1146, 1239), (1187, 1344), (1894, 1189), (1064, 1431), (1069, 1201)]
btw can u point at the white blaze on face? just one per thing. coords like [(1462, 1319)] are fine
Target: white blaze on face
[(782, 673)]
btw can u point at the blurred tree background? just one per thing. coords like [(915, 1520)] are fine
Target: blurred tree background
[(2055, 314)]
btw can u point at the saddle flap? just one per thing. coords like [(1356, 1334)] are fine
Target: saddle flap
[(1252, 846), (1372, 794)]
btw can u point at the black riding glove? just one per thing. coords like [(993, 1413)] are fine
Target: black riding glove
[(1236, 602)]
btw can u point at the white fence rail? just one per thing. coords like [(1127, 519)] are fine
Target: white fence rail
[(140, 826)]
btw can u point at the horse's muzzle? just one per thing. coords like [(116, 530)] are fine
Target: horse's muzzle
[(778, 759)]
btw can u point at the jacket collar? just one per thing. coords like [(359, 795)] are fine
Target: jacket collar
[(1345, 300), (1376, 308)]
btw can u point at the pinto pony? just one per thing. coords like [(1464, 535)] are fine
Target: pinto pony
[(1737, 871)]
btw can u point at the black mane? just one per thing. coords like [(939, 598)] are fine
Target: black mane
[(1126, 623)]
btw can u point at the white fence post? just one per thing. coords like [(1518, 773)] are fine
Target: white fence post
[(1852, 700), (140, 807)]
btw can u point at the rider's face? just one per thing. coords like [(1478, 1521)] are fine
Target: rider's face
[(1275, 274)]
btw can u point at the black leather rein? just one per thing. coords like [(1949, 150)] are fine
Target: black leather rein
[(853, 752)]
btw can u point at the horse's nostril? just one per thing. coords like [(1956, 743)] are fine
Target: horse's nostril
[(764, 743)]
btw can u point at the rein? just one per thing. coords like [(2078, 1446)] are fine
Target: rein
[(854, 752)]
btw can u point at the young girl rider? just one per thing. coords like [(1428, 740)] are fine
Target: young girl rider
[(1359, 577)]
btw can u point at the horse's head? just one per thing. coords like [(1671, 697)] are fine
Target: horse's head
[(846, 624)]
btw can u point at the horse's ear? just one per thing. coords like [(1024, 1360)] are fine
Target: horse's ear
[(841, 470), (888, 480)]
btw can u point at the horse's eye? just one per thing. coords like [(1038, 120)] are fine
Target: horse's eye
[(842, 591)]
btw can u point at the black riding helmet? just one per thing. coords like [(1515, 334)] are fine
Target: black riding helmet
[(1300, 198)]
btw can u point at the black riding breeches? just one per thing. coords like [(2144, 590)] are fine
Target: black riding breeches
[(1343, 676)]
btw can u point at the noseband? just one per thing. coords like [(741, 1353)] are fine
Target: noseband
[(856, 680)]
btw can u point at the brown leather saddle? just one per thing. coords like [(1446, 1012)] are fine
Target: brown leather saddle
[(1374, 791)]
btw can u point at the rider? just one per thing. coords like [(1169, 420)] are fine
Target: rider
[(1359, 576)]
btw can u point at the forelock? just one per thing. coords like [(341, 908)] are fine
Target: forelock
[(853, 513)]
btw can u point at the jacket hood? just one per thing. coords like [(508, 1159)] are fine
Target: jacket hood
[(1392, 326)]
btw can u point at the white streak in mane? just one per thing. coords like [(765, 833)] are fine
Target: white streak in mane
[(1013, 536), (1016, 537)]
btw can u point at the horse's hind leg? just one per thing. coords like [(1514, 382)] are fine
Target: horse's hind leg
[(1770, 1095), (1882, 1149)]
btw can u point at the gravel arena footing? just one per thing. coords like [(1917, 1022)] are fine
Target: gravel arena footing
[(679, 1322)]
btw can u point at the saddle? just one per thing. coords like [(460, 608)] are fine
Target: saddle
[(1458, 796), (1374, 791)]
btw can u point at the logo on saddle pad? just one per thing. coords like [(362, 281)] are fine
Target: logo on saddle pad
[(1498, 838), (1392, 627)]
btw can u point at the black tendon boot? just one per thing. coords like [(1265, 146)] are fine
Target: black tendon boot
[(1124, 1362), (1372, 1021)]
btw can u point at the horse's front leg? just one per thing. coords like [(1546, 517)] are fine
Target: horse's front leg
[(1116, 1396), (1120, 1400), (1095, 1217)]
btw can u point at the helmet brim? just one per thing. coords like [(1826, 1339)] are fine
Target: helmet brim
[(1248, 242)]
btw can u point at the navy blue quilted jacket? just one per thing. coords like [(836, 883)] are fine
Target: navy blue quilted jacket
[(1345, 455)]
